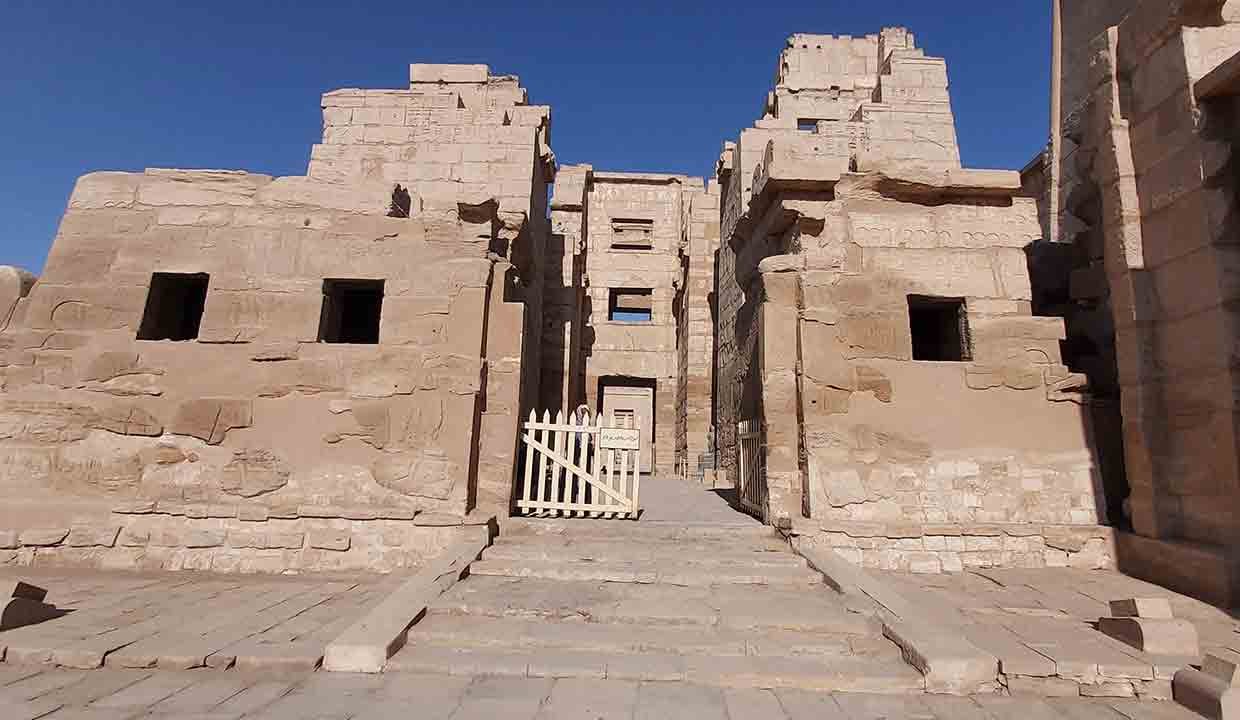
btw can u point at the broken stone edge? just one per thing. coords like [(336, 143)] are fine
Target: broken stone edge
[(950, 664), (365, 646), (1205, 694)]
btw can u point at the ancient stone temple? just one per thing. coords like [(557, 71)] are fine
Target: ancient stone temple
[(874, 305), (636, 336), (238, 372), (921, 366)]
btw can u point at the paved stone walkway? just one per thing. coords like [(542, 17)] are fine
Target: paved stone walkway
[(27, 693), (1061, 593), (186, 620), (708, 618), (1040, 623), (670, 499)]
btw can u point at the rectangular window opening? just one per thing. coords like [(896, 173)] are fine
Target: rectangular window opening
[(174, 306), (940, 328), (632, 234), (630, 305), (351, 311), (807, 124)]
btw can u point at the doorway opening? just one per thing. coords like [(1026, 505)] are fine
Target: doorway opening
[(632, 400)]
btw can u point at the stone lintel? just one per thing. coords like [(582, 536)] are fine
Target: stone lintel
[(447, 73)]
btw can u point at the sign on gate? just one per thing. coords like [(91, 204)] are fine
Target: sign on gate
[(619, 438)]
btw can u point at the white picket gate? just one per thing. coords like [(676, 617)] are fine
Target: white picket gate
[(751, 457), (581, 467)]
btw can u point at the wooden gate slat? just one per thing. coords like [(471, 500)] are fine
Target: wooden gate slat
[(624, 467), (529, 466), (584, 461), (599, 461), (542, 457), (637, 472), (557, 449)]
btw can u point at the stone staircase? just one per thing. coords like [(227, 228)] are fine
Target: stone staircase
[(726, 605)]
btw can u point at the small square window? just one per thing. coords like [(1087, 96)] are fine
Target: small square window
[(631, 306), (940, 328), (632, 234), (351, 311), (174, 306)]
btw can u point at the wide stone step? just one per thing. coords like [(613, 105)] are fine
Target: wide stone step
[(665, 572), (843, 674), (565, 549), (812, 609), (711, 537), (578, 635), (636, 530)]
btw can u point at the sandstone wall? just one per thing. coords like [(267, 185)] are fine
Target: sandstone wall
[(995, 439), (834, 231), (1145, 199), (563, 336), (256, 445), (643, 350), (738, 294), (877, 98), (699, 344)]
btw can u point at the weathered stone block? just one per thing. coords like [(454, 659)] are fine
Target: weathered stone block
[(247, 539), (1224, 665), (210, 419), (93, 536), (129, 420), (43, 537), (328, 540), (425, 475), (201, 538), (447, 73), (253, 472), (253, 513), (134, 537), (1153, 635), (1043, 686), (1206, 695), (285, 540), (1142, 607), (1114, 688)]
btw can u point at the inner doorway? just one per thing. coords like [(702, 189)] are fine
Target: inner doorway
[(631, 399)]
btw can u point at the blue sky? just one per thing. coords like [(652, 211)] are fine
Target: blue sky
[(638, 85)]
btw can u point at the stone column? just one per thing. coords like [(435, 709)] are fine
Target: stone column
[(780, 352), (1123, 260), (499, 425)]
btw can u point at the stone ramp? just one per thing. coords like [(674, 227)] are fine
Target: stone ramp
[(722, 605)]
